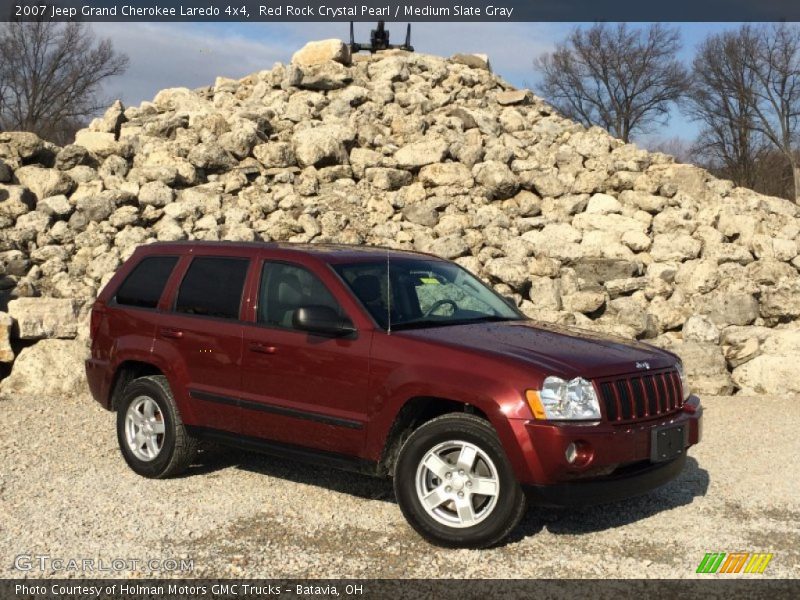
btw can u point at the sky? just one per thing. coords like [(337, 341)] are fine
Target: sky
[(164, 55)]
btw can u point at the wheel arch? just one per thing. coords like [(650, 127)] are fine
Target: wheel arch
[(415, 412), (126, 372)]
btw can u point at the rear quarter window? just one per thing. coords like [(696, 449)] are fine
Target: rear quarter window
[(145, 284), (212, 287)]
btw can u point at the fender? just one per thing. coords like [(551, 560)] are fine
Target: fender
[(164, 358), (498, 400), (102, 371)]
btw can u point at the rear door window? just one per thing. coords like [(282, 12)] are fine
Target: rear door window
[(145, 284), (212, 287)]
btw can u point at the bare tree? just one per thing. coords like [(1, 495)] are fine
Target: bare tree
[(774, 59), (723, 100), (51, 75), (621, 79)]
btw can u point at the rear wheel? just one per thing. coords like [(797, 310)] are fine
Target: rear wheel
[(455, 485), (151, 435)]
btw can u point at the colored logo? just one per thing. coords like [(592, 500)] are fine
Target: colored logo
[(735, 562)]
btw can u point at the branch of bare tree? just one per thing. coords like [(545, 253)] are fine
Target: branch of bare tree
[(621, 79), (51, 76)]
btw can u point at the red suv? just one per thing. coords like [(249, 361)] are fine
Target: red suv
[(391, 363)]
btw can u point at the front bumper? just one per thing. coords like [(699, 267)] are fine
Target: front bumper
[(618, 455), (627, 483)]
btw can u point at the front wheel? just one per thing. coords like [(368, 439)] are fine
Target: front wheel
[(455, 485)]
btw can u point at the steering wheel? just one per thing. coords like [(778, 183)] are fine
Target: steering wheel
[(438, 304)]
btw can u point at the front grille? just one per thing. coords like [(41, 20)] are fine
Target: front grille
[(639, 397)]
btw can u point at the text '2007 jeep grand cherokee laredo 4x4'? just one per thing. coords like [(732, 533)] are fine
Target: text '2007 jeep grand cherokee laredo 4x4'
[(394, 363)]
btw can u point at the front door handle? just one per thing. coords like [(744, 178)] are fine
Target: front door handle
[(171, 333), (262, 348)]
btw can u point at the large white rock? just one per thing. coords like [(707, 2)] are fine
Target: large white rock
[(55, 205), (705, 367), (770, 373), (674, 246), (475, 61), (765, 360), (455, 174), (421, 153), (698, 276), (155, 193), (44, 182), (782, 300), (15, 200), (509, 271), (612, 223), (98, 142), (314, 53), (38, 318), (514, 97), (449, 246), (728, 308), (603, 204), (329, 75), (584, 301), (700, 329), (497, 178), (183, 100), (21, 144), (49, 368), (321, 146)]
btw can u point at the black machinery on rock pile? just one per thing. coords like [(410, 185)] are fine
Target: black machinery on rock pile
[(379, 40)]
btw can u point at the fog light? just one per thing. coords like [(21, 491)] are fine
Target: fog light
[(579, 454), (571, 453)]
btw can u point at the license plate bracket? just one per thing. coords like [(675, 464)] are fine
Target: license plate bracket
[(667, 442)]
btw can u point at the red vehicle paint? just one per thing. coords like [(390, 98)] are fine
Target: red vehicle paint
[(351, 398)]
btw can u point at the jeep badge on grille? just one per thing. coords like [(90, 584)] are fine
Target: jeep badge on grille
[(643, 365)]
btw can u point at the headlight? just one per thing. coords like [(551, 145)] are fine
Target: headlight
[(562, 400), (684, 381)]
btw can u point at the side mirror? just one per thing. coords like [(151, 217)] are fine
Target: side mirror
[(322, 320), (511, 301)]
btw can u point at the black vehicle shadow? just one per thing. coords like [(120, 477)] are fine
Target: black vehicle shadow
[(691, 483), (213, 458)]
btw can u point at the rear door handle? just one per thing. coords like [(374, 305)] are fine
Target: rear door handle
[(262, 348), (171, 333)]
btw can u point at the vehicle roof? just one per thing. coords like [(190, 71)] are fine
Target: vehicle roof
[(330, 253)]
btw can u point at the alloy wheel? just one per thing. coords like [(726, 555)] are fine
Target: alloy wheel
[(457, 484), (144, 428)]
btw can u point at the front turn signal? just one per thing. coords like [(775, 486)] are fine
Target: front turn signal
[(532, 396)]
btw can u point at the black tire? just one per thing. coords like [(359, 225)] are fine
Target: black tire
[(178, 447), (510, 503)]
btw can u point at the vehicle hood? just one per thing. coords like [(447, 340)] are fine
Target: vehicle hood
[(556, 350)]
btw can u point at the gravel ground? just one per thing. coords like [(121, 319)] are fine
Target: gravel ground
[(66, 492)]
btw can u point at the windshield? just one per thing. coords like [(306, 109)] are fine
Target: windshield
[(424, 293)]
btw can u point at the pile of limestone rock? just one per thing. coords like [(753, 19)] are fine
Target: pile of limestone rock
[(409, 151)]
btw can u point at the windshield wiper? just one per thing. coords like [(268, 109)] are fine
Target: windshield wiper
[(492, 319), (422, 323)]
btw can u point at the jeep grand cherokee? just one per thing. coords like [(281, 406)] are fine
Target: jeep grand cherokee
[(391, 363)]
